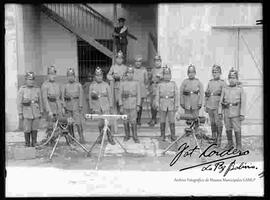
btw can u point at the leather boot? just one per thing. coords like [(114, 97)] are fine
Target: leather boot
[(230, 140), (214, 132), (134, 133), (99, 140), (34, 138), (139, 113), (127, 131), (27, 139), (154, 117), (80, 132), (238, 140), (172, 129), (162, 131), (219, 135), (110, 138)]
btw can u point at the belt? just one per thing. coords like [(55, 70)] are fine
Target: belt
[(29, 103), (233, 104), (212, 94), (167, 97), (52, 99), (190, 92), (69, 98)]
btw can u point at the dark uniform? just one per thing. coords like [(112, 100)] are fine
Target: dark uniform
[(130, 101), (73, 101), (30, 109), (120, 35), (140, 75), (100, 102), (191, 93), (85, 87), (115, 76), (232, 104), (212, 98), (167, 102), (52, 99), (156, 78)]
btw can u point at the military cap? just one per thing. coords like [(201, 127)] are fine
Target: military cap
[(191, 68), (233, 73), (166, 70), (51, 70), (30, 76), (70, 71), (138, 58), (98, 71), (119, 54), (157, 57), (121, 19), (216, 68), (130, 69)]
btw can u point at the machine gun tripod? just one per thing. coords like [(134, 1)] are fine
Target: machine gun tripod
[(61, 129), (105, 129)]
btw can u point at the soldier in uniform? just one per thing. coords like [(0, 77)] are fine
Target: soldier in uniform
[(120, 35), (140, 74), (30, 109), (115, 76), (52, 99), (100, 102), (232, 104), (130, 101), (73, 101), (191, 93), (86, 86), (156, 78), (212, 98), (167, 102)]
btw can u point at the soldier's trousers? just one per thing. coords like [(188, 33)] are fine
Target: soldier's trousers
[(164, 114), (131, 114), (30, 124), (232, 123), (215, 119)]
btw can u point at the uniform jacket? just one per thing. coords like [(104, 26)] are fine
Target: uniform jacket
[(123, 32), (156, 77), (167, 96), (104, 100), (30, 102), (117, 69), (234, 95), (130, 94), (191, 101), (213, 93), (73, 96), (52, 97), (140, 75)]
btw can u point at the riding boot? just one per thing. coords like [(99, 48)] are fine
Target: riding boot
[(162, 131), (33, 138), (230, 139), (127, 131), (219, 135), (134, 132), (27, 139), (99, 140), (80, 132), (214, 132), (238, 140), (110, 138), (139, 113), (154, 117), (172, 129)]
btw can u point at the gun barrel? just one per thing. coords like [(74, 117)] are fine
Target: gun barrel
[(97, 116)]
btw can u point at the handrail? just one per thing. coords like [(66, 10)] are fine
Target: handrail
[(153, 40)]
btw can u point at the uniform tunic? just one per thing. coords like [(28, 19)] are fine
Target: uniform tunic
[(130, 98), (167, 100), (121, 40), (156, 76), (236, 99), (30, 106), (191, 95)]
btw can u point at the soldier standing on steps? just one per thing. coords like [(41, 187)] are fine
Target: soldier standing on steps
[(233, 104), (73, 98), (191, 93), (140, 74), (212, 98), (120, 35), (86, 86), (130, 101), (52, 99), (156, 78), (100, 102), (167, 102), (30, 109)]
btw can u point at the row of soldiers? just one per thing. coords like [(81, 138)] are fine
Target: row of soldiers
[(126, 91)]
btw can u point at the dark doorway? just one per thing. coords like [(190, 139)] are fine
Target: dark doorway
[(89, 58)]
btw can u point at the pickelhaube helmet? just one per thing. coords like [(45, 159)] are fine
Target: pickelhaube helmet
[(119, 54), (138, 58), (98, 71), (157, 57), (130, 69), (30, 76), (166, 70), (51, 70), (216, 68), (191, 68), (70, 71), (233, 73)]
